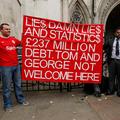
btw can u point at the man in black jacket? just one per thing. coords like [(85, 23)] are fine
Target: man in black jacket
[(112, 49)]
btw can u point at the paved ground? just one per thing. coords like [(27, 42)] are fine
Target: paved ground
[(53, 105)]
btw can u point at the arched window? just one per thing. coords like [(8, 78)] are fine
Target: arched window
[(77, 16), (78, 13)]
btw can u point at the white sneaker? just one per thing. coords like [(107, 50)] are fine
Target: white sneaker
[(25, 103), (8, 110)]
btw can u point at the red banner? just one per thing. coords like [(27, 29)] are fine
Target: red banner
[(55, 51)]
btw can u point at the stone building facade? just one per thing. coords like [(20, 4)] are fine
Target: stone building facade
[(10, 12), (105, 12)]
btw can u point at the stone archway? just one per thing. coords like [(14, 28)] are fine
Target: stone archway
[(107, 11), (113, 20), (78, 12)]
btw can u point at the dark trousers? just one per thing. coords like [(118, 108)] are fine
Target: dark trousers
[(114, 75), (97, 88), (91, 88)]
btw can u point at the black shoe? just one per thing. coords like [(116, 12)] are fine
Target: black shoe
[(118, 94), (109, 93), (97, 94)]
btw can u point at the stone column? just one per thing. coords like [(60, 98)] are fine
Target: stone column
[(65, 15)]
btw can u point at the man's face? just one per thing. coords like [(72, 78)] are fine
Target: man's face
[(6, 31), (117, 33)]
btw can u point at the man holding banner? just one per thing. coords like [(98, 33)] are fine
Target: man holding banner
[(10, 68)]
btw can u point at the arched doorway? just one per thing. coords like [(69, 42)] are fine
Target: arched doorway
[(113, 21)]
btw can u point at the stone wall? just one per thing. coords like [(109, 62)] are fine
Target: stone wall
[(10, 12), (50, 9)]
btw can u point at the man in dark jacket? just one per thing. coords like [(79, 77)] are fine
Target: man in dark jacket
[(112, 49)]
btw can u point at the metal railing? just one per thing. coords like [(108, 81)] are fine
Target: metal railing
[(44, 86)]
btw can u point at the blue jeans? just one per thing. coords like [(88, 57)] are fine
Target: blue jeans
[(9, 75)]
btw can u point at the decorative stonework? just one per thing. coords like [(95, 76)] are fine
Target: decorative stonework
[(78, 12), (77, 15), (106, 8)]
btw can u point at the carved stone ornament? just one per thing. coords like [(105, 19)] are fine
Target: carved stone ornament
[(106, 7), (77, 15)]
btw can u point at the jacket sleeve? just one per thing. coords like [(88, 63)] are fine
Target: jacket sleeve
[(106, 44)]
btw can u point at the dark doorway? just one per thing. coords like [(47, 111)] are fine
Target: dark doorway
[(113, 21)]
